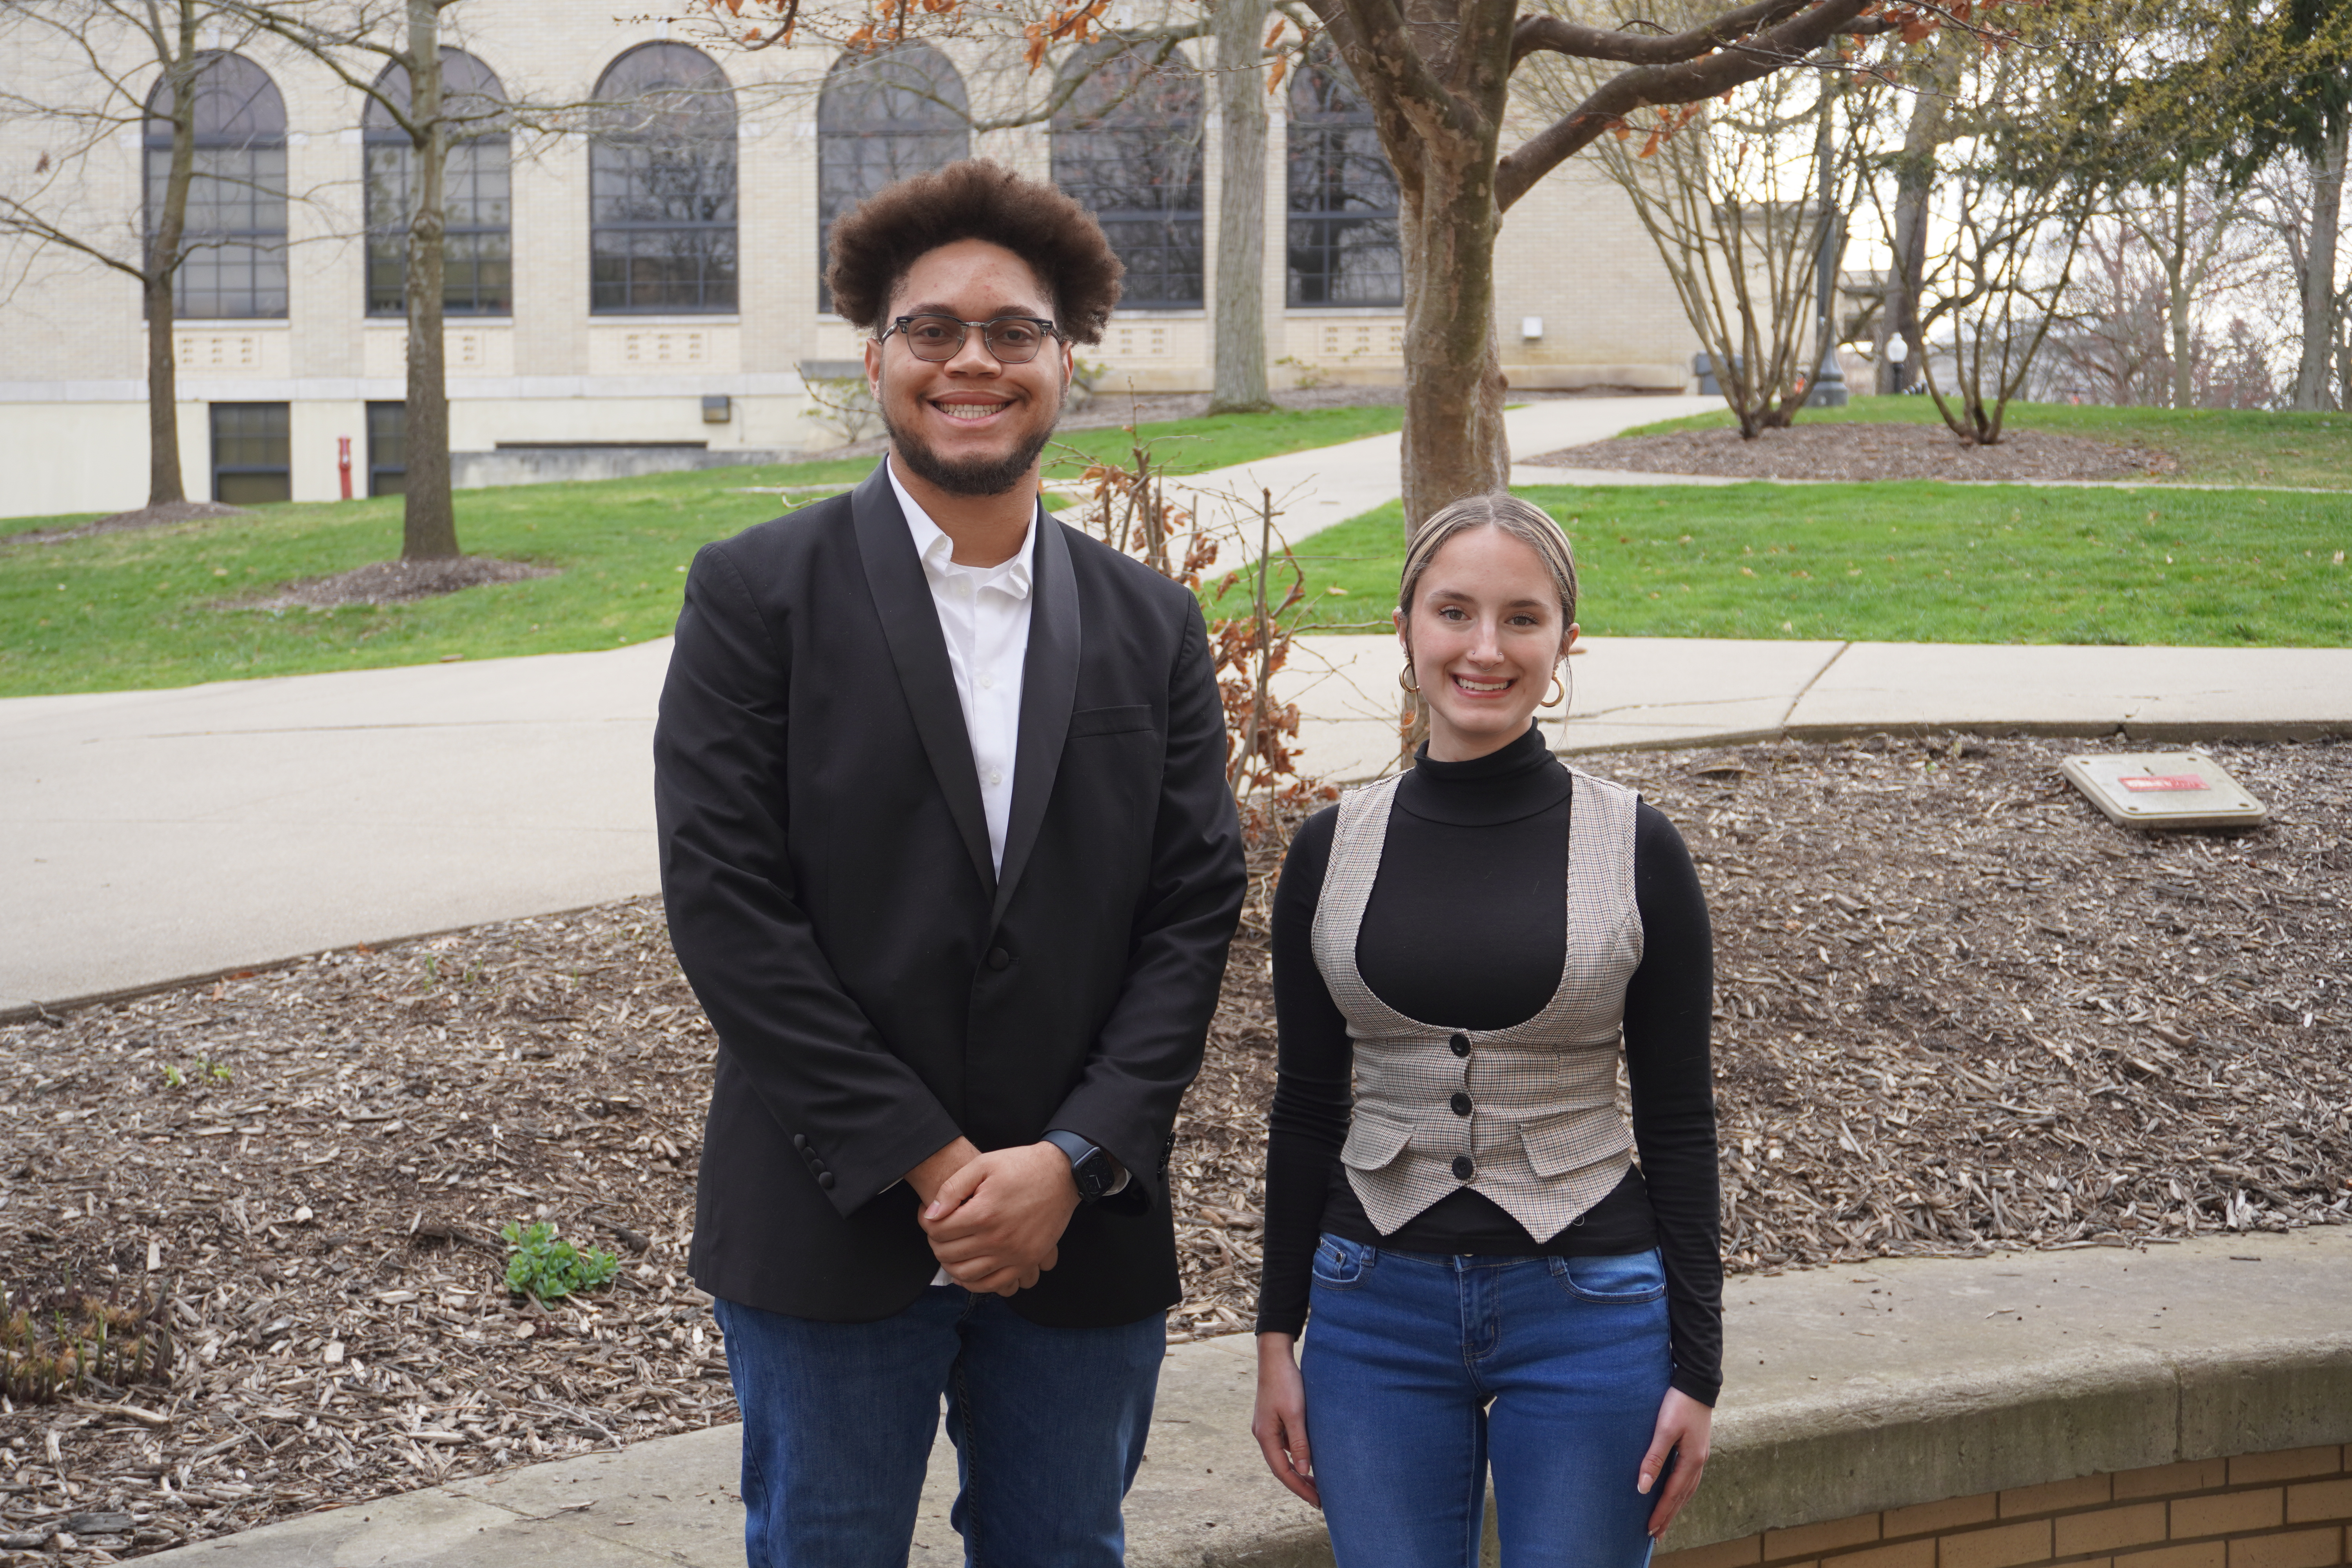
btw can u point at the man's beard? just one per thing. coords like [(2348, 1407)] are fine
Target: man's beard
[(972, 476)]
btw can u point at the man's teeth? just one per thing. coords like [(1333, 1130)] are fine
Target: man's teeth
[(968, 410), (1482, 685)]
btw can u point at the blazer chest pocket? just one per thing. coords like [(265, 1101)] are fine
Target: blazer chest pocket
[(1116, 720)]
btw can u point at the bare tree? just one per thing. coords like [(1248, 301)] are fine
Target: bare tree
[(84, 71), (1731, 196), (1238, 322)]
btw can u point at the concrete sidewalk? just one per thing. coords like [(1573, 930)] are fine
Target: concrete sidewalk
[(1846, 1390), (152, 836)]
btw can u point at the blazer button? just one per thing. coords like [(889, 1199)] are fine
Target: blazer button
[(998, 959), (1463, 1167), (800, 1142), (1460, 1045), (825, 1179), (1461, 1103)]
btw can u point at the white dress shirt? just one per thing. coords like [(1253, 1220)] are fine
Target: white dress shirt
[(984, 615)]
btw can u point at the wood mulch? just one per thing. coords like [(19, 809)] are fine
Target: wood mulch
[(1957, 1009), (123, 522), (1823, 449), (391, 583)]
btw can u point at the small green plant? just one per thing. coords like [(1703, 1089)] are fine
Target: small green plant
[(544, 1265), (843, 402), (1307, 377), (206, 1070)]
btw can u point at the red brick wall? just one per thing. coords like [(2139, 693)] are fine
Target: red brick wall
[(2288, 1510)]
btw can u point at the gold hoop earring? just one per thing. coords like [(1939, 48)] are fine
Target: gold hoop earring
[(1550, 701), (1405, 680)]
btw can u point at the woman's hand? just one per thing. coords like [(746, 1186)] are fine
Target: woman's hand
[(1280, 1425), (1685, 1427)]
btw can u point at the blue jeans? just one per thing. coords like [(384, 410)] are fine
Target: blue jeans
[(1421, 1371), (1049, 1427)]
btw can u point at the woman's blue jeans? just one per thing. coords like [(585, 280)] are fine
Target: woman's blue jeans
[(1421, 1371)]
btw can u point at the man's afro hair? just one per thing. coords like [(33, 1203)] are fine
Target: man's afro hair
[(873, 245)]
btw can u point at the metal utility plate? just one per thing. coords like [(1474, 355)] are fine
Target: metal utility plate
[(2163, 789)]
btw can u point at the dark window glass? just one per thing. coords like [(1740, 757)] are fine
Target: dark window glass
[(234, 236), (1342, 239), (477, 251), (882, 118), (1127, 145), (252, 458), (661, 184), (387, 449)]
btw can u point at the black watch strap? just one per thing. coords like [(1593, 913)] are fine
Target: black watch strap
[(1089, 1166)]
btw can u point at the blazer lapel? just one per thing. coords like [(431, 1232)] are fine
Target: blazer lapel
[(1049, 684), (911, 622)]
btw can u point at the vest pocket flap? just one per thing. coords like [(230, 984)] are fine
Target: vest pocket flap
[(1373, 1140), (1570, 1141)]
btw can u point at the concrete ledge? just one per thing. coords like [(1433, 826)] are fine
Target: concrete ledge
[(1849, 1393)]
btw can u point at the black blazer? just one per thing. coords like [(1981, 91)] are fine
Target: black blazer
[(875, 986)]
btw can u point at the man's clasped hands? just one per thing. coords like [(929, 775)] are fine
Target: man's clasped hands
[(995, 1220)]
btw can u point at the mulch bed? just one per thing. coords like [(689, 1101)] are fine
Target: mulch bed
[(1957, 1010), (124, 521), (391, 583), (1820, 449)]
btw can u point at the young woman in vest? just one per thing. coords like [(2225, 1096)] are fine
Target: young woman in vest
[(1483, 1276)]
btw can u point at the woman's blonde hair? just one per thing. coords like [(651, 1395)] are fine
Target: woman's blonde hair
[(1523, 520)]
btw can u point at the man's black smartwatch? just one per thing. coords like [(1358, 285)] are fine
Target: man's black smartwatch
[(1089, 1166)]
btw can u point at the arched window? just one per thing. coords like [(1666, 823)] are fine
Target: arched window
[(882, 118), (661, 184), (235, 239), (478, 247), (1127, 145), (1343, 193)]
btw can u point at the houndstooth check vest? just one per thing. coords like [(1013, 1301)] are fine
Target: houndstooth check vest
[(1527, 1115)]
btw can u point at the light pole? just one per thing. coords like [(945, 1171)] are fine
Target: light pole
[(1828, 389)]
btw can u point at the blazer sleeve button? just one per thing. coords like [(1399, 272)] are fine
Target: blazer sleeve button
[(998, 959), (800, 1142), (824, 1180)]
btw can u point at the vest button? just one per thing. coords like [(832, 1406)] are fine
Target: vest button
[(1461, 1103), (1460, 1045), (1463, 1167), (998, 959)]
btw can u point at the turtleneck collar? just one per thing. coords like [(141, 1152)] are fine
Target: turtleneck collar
[(1507, 784)]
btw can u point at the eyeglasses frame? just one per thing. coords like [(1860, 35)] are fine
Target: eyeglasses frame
[(898, 325)]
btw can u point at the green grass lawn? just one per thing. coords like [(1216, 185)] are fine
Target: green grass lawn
[(2214, 446), (1912, 563), (139, 609)]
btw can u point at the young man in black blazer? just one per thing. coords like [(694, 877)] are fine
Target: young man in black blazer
[(950, 862)]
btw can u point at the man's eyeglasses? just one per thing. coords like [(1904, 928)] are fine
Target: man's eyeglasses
[(1011, 339)]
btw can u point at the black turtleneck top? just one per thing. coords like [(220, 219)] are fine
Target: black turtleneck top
[(1467, 925)]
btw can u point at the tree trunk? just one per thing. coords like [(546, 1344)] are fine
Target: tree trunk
[(429, 519), (1455, 444), (1241, 212), (2177, 288), (165, 482), (2319, 273), (1915, 178)]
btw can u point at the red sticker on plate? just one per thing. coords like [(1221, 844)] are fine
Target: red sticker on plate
[(2162, 781)]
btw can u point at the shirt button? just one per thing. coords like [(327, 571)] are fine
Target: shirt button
[(995, 777), (987, 682), (1460, 1045), (964, 588), (1461, 1103), (1463, 1167)]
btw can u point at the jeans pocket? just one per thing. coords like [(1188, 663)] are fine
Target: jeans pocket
[(1621, 1280), (1341, 1263)]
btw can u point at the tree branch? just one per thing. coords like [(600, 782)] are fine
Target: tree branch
[(1558, 35), (1783, 45)]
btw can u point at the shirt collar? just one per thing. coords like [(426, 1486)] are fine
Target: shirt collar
[(936, 549)]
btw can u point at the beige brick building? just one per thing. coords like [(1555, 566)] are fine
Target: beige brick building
[(627, 280)]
